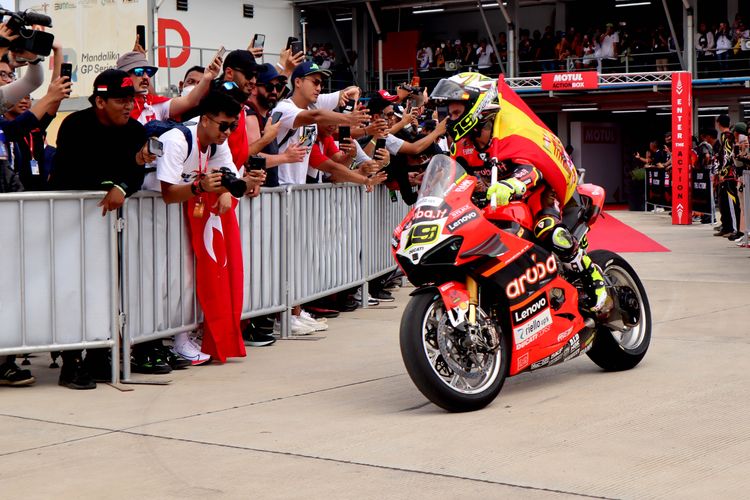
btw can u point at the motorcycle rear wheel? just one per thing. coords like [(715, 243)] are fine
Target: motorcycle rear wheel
[(424, 363), (614, 350)]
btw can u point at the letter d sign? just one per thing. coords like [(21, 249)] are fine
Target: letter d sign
[(182, 57)]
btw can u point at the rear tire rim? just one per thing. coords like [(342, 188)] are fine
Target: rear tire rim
[(631, 339), (490, 363)]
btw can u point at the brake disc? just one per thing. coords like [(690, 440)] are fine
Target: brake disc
[(449, 342)]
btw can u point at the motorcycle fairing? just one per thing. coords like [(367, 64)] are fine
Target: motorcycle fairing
[(456, 299)]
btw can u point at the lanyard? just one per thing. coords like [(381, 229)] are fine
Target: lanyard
[(202, 167), (29, 140)]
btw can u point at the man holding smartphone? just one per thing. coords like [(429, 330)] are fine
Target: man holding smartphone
[(262, 124), (149, 106), (304, 110)]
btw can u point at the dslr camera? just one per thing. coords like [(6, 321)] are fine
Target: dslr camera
[(34, 41), (229, 180)]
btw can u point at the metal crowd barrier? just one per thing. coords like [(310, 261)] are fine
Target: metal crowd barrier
[(77, 283), (746, 205), (60, 287)]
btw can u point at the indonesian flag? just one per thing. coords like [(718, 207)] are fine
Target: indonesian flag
[(520, 135), (218, 254)]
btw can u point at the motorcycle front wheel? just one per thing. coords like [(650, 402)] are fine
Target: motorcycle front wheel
[(466, 381), (621, 350)]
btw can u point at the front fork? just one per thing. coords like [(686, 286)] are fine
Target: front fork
[(473, 288)]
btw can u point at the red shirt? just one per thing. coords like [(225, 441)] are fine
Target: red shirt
[(322, 151), (238, 142)]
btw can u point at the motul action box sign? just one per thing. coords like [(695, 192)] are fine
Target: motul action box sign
[(682, 142), (581, 80)]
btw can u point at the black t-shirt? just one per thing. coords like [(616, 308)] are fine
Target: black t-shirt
[(93, 156), (272, 174)]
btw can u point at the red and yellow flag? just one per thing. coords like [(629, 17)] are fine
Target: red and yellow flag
[(520, 135)]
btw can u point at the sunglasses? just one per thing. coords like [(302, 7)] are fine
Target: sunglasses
[(315, 81), (149, 70), (224, 126), (278, 87)]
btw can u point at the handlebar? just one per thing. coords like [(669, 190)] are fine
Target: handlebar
[(493, 202)]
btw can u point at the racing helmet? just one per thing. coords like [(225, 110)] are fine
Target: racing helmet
[(478, 92)]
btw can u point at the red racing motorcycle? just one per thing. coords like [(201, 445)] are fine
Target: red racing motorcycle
[(490, 303)]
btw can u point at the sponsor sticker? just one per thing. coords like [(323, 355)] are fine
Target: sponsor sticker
[(528, 332), (463, 220), (523, 362)]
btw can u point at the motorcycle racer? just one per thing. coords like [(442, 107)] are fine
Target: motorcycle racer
[(478, 119)]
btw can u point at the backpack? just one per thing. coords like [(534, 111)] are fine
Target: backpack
[(157, 128)]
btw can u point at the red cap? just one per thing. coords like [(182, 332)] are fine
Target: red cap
[(388, 97)]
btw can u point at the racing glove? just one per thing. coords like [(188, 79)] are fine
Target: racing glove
[(506, 189)]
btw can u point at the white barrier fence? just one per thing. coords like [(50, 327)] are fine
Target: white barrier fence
[(73, 283)]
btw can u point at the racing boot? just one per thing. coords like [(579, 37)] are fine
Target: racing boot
[(592, 279), (575, 258)]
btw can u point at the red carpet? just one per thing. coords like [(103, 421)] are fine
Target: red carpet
[(608, 233)]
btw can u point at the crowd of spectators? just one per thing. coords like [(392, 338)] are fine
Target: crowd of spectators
[(720, 47), (236, 126), (723, 153)]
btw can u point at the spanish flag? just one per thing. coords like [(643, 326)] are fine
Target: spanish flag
[(519, 135)]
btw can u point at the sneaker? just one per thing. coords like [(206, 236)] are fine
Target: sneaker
[(307, 315), (309, 321), (298, 327), (150, 361), (722, 233), (255, 337), (188, 350), (12, 375), (322, 312), (74, 376), (383, 296), (358, 298), (175, 362), (735, 236)]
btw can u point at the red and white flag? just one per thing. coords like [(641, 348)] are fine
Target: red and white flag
[(219, 277)]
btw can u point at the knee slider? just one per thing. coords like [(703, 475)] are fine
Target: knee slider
[(562, 241)]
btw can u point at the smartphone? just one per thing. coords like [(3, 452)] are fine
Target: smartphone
[(259, 41), (348, 106), (140, 30), (291, 40), (296, 47), (379, 144), (344, 133), (442, 112), (220, 53), (415, 81), (256, 162), (276, 117), (155, 146), (66, 69)]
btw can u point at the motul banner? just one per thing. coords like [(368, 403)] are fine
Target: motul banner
[(581, 80), (682, 142)]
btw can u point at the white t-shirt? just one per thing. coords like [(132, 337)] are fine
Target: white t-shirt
[(175, 169), (150, 112), (608, 45), (393, 144), (296, 173), (485, 60)]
